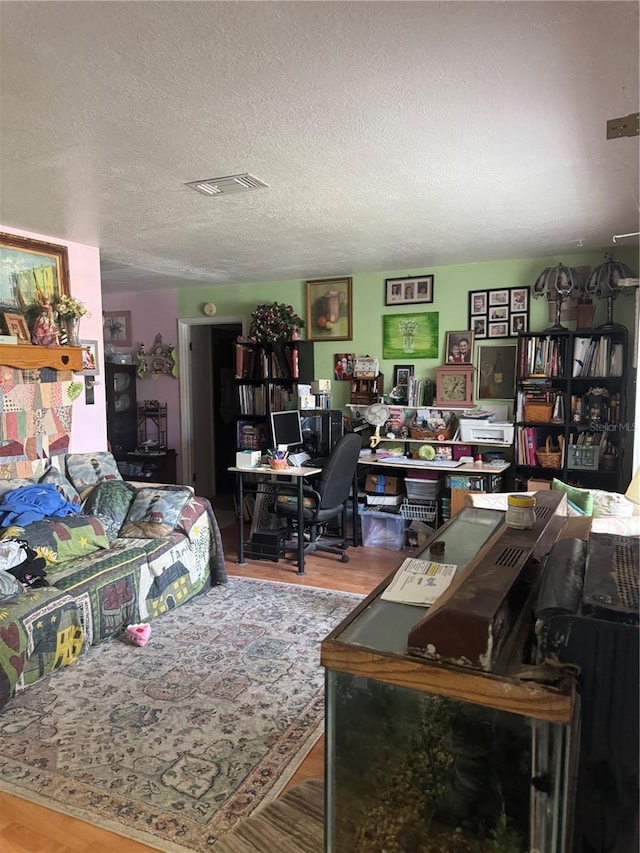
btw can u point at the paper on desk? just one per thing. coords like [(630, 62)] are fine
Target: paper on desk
[(419, 582)]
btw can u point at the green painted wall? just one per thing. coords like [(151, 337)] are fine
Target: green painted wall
[(451, 287)]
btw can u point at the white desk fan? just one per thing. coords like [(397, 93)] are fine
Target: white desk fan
[(377, 414)]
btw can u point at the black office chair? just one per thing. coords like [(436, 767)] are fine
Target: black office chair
[(326, 501)]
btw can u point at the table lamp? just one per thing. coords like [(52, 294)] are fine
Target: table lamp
[(605, 282), (633, 492), (557, 284)]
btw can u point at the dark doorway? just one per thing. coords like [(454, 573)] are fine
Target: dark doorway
[(225, 404)]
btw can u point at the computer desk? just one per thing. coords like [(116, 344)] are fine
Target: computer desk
[(297, 474)]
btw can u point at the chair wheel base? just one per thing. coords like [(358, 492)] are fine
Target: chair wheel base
[(344, 558)]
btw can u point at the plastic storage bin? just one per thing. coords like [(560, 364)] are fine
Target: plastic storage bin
[(422, 490), (382, 530)]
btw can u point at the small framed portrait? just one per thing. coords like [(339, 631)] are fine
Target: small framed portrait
[(519, 300), (15, 324), (459, 348), (402, 374), (412, 290), (479, 327), (498, 330), (344, 362), (499, 297), (518, 324), (499, 313), (90, 358), (478, 303)]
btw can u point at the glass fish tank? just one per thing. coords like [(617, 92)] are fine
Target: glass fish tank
[(427, 757)]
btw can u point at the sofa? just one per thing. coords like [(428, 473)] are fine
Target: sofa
[(117, 554), (610, 512)]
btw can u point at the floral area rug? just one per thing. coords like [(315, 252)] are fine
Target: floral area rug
[(176, 742)]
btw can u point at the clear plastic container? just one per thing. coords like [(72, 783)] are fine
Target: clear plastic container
[(521, 511)]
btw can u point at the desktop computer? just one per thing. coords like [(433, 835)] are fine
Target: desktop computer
[(321, 431)]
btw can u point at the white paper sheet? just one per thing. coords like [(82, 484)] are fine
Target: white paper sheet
[(419, 582)]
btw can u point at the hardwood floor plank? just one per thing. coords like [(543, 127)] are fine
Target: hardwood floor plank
[(28, 828)]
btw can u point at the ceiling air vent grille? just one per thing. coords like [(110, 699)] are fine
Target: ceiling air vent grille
[(229, 184)]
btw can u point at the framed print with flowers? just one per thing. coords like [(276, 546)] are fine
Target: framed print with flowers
[(410, 334), (500, 312), (329, 310)]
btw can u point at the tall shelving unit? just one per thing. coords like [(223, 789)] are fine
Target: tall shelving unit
[(267, 377), (570, 398)]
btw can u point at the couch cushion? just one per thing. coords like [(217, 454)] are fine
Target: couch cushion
[(110, 502), (16, 483), (155, 512), (62, 484), (62, 540), (580, 498), (88, 469)]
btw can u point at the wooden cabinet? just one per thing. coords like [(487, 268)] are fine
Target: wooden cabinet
[(267, 377), (122, 418), (365, 391), (570, 407)]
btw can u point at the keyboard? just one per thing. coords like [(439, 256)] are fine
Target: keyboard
[(318, 462)]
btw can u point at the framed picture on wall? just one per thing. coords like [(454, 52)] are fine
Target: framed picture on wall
[(412, 290), (459, 348), (501, 312), (28, 268), (116, 327), (496, 372), (90, 365), (329, 310)]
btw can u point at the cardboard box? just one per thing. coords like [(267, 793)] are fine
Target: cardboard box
[(538, 485), (381, 484), (248, 458)]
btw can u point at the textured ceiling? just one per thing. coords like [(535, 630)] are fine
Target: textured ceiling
[(393, 136)]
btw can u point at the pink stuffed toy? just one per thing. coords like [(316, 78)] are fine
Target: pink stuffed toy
[(138, 634)]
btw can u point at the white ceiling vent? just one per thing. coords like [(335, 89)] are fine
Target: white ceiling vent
[(227, 185)]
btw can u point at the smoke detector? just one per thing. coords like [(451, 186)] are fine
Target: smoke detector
[(227, 185)]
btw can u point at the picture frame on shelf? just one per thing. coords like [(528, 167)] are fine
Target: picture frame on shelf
[(459, 347), (491, 311), (402, 373), (15, 324), (329, 309), (496, 372), (411, 290), (116, 327), (90, 364), (29, 268), (344, 364)]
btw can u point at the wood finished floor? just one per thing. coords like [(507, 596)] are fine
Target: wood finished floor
[(27, 828)]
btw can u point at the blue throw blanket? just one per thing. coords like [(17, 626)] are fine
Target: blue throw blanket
[(33, 503)]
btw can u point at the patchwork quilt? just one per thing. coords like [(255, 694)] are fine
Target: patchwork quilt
[(98, 587)]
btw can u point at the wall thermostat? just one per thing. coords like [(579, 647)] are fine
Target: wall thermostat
[(209, 309)]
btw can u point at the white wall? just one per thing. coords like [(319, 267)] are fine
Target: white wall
[(89, 423)]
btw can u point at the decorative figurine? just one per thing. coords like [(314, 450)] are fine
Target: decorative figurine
[(45, 333)]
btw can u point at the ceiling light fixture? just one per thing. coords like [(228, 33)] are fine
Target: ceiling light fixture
[(227, 185)]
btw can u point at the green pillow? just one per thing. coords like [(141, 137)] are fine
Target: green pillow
[(581, 498)]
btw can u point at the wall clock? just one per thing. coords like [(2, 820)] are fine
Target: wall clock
[(454, 385)]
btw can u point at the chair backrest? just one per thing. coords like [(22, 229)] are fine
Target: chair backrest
[(337, 474)]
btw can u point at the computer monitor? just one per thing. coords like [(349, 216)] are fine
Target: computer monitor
[(286, 429)]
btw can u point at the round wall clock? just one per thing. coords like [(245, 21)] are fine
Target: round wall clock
[(454, 385)]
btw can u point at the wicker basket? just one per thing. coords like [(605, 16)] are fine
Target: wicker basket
[(422, 434), (538, 413), (549, 457)]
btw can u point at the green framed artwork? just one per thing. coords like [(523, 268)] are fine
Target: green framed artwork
[(410, 334)]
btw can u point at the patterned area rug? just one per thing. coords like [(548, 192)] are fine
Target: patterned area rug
[(176, 742)]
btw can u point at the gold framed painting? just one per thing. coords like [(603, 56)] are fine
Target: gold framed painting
[(28, 269), (329, 310)]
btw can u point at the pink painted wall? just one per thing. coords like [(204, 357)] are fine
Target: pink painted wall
[(153, 311), (89, 423)]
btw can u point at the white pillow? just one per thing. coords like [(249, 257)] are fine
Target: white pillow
[(611, 504)]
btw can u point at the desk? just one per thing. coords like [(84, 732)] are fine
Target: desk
[(297, 474)]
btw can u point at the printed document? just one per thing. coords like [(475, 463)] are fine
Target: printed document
[(419, 582)]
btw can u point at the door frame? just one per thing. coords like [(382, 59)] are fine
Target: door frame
[(186, 389)]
